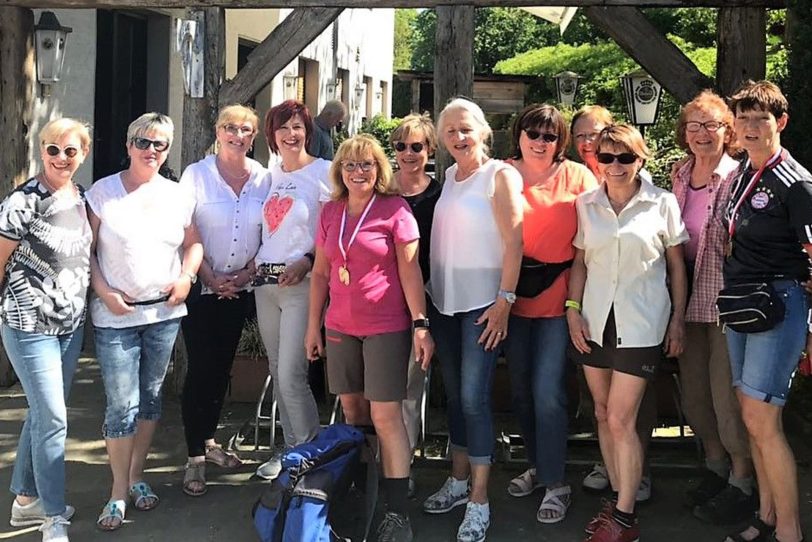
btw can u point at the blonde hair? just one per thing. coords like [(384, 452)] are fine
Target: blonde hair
[(595, 112), (55, 129), (236, 114), (149, 122), (709, 102), (356, 149), (414, 123), (624, 135), (464, 104)]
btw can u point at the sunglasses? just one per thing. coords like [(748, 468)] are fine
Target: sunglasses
[(363, 166), (55, 150), (547, 137), (142, 144), (711, 126), (233, 129), (625, 158), (400, 146)]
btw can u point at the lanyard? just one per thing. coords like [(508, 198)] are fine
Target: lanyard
[(357, 227), (771, 163)]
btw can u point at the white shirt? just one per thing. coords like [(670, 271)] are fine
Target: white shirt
[(139, 245), (625, 260), (291, 211), (466, 247), (229, 224)]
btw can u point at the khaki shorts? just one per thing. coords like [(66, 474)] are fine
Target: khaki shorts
[(375, 365)]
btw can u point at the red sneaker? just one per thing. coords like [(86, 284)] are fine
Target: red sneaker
[(611, 531), (604, 514)]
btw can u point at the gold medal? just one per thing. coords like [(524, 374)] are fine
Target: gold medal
[(344, 275)]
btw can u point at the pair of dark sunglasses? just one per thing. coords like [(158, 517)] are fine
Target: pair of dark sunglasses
[(142, 144), (624, 158), (400, 146), (547, 137), (55, 150)]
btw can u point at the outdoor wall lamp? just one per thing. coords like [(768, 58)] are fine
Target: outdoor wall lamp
[(566, 87), (49, 43), (359, 94), (642, 94), (291, 84)]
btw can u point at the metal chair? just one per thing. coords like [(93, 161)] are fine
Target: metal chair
[(259, 417)]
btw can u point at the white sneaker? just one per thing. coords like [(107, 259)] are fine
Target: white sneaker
[(475, 524), (55, 529), (597, 479), (447, 498), (644, 491), (271, 468), (33, 514)]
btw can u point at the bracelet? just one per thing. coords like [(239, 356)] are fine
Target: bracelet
[(572, 304)]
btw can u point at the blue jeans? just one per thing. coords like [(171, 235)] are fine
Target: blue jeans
[(536, 352), (468, 377), (133, 363), (762, 364), (45, 365)]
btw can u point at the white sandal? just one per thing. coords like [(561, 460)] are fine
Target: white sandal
[(524, 484), (556, 500)]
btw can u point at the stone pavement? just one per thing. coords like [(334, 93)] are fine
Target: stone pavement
[(224, 514)]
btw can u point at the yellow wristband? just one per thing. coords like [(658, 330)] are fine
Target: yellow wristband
[(572, 304)]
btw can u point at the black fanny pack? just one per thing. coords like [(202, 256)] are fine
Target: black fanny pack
[(750, 307), (536, 276), (268, 273)]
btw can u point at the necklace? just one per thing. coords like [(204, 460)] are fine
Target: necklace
[(343, 271), (228, 176)]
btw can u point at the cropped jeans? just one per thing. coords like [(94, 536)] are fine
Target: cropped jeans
[(536, 354), (467, 370), (45, 365)]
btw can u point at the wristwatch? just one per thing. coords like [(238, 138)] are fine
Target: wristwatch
[(421, 323), (192, 276), (510, 297)]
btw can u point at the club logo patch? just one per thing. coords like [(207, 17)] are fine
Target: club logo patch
[(760, 200)]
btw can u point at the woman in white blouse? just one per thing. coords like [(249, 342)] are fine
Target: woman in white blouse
[(619, 314), (299, 186), (228, 189)]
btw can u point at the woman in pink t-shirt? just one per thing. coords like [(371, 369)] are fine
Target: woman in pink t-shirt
[(366, 259)]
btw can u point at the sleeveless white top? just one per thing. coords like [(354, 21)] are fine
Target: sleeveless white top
[(466, 247)]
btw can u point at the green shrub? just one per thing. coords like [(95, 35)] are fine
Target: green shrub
[(380, 127)]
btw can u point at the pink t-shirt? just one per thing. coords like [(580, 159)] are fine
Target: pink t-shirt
[(694, 215), (373, 302)]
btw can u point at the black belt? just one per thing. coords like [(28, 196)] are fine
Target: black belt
[(150, 301)]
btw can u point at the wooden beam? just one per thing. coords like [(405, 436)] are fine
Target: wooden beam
[(741, 53), (113, 4), (279, 49), (453, 64), (648, 47)]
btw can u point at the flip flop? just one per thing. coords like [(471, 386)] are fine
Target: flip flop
[(114, 509), (144, 499)]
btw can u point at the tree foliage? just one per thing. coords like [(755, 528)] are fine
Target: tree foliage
[(404, 31), (798, 86)]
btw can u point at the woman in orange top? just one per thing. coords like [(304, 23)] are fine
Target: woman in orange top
[(536, 346)]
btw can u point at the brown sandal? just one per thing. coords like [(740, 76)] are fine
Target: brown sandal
[(217, 455), (195, 474)]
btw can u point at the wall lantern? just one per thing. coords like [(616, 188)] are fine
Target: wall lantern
[(359, 94), (291, 86), (642, 94), (332, 86), (49, 41), (566, 87)]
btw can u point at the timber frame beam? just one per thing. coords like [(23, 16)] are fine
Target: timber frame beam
[(96, 4)]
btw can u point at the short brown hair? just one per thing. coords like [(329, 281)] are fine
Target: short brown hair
[(762, 95), (415, 123), (709, 102), (280, 114), (358, 148), (625, 135), (542, 116)]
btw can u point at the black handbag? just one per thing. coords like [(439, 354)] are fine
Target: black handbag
[(536, 276), (750, 307)]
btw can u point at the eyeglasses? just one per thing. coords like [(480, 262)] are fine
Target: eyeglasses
[(588, 138), (711, 126), (624, 158), (55, 150), (233, 129), (363, 166), (547, 137), (142, 144), (400, 146)]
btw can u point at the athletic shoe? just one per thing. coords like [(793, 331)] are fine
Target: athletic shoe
[(395, 528), (611, 531), (731, 505), (33, 514), (597, 479), (271, 468), (446, 499), (644, 490), (475, 524), (708, 487), (55, 529)]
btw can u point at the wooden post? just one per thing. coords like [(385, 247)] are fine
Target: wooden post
[(742, 50), (453, 64), (415, 107)]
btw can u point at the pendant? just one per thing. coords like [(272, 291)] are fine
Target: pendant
[(344, 275)]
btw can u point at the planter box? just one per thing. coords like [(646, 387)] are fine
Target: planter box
[(247, 377)]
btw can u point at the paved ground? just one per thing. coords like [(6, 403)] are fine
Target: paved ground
[(224, 514)]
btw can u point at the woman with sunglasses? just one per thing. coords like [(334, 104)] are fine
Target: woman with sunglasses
[(702, 184), (476, 252), (366, 260), (414, 140), (228, 189), (44, 253), (299, 188), (620, 317), (537, 346), (144, 260)]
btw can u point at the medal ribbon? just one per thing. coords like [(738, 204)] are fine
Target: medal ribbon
[(771, 163), (357, 227)]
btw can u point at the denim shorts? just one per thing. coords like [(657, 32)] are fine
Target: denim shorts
[(762, 364), (133, 363)]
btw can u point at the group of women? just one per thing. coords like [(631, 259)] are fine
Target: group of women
[(537, 256)]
